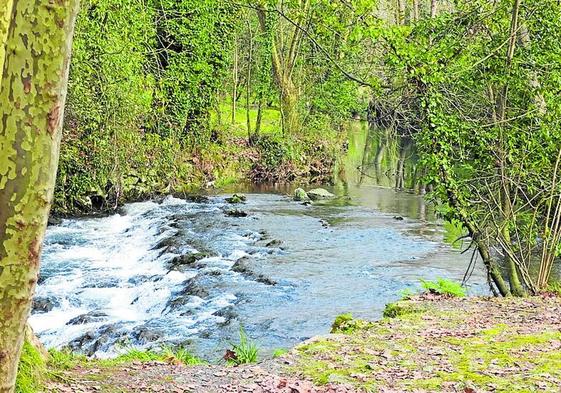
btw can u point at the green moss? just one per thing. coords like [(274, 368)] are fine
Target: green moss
[(399, 309), (345, 323), (428, 344)]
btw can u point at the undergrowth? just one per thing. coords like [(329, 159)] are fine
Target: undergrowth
[(31, 371)]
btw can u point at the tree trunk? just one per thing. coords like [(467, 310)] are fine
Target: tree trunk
[(284, 63), (259, 118), (400, 12), (415, 10), (32, 96), (505, 191), (248, 85), (289, 103), (433, 8)]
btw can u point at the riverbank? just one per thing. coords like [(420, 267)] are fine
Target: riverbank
[(149, 165), (427, 343)]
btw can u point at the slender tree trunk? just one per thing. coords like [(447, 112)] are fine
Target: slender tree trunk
[(235, 79), (289, 103), (259, 118), (400, 12), (284, 63), (32, 96), (248, 84), (415, 10), (505, 191), (433, 8)]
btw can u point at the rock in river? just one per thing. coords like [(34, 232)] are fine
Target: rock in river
[(44, 304), (93, 316), (187, 259), (236, 198), (319, 194)]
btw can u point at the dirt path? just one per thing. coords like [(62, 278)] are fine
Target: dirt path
[(162, 377)]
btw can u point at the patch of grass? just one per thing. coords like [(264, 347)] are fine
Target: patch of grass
[(270, 124), (31, 371), (62, 360), (444, 287), (277, 353), (246, 351)]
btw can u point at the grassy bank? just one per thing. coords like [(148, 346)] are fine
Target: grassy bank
[(426, 344), (439, 344)]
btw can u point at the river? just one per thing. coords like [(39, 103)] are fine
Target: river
[(188, 273)]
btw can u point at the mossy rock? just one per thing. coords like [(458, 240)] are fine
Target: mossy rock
[(300, 195), (237, 198), (320, 194)]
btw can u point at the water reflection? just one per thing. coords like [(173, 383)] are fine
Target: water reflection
[(380, 171)]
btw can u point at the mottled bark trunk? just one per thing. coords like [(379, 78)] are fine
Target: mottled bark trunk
[(38, 36)]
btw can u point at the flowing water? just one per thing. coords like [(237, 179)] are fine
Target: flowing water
[(190, 273)]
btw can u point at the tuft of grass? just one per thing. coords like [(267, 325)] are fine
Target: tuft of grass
[(246, 350), (444, 287), (32, 370)]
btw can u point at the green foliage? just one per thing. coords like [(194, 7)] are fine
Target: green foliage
[(555, 287), (454, 233), (486, 125), (274, 151), (192, 45), (245, 350), (444, 287), (32, 370), (142, 75)]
